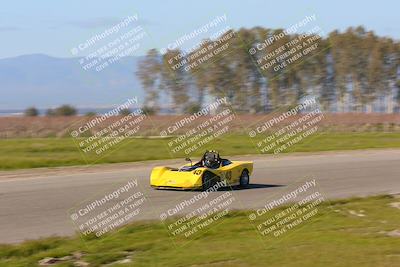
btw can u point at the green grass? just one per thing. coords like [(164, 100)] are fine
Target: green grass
[(334, 238), (51, 152)]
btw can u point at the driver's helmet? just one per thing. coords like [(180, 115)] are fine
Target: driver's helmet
[(211, 159)]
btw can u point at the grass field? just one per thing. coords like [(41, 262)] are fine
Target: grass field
[(337, 237), (51, 152)]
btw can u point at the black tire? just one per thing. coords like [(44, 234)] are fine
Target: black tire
[(244, 178), (209, 180)]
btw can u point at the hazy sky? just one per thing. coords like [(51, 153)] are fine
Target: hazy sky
[(54, 27)]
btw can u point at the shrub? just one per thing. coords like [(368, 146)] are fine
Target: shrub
[(124, 112), (192, 108), (65, 110), (149, 110), (31, 112)]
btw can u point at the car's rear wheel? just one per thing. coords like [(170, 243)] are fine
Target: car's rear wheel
[(244, 178), (209, 180)]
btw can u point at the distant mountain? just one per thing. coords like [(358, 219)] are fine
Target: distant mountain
[(44, 81)]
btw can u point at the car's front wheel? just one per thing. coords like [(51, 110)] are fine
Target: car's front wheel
[(209, 180), (244, 178)]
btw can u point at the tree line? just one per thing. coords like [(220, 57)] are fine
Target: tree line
[(66, 110), (348, 72)]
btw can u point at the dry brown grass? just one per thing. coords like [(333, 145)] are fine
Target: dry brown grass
[(13, 127)]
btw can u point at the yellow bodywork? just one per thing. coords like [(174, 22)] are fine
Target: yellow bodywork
[(167, 177)]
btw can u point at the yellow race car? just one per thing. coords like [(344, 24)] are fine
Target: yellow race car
[(209, 172)]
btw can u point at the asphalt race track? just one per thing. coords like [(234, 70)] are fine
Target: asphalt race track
[(37, 203)]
